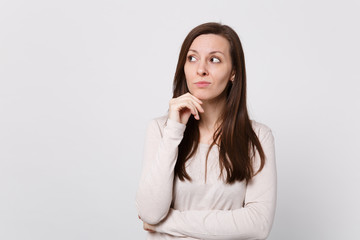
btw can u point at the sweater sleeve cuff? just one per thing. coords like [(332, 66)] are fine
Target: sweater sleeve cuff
[(174, 129)]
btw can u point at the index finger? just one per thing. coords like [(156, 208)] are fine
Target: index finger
[(195, 98)]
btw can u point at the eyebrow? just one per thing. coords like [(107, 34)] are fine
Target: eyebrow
[(212, 52)]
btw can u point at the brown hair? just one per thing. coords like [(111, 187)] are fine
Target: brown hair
[(235, 136)]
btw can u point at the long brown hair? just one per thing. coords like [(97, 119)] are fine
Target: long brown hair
[(235, 136)]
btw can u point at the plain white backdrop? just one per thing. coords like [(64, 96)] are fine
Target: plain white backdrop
[(80, 80)]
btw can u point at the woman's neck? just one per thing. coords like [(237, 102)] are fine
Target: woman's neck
[(213, 109)]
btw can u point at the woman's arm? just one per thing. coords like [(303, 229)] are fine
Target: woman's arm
[(253, 221), (154, 194)]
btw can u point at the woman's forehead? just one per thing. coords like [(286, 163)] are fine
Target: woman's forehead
[(208, 43)]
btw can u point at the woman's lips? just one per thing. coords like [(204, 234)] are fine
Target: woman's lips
[(202, 84)]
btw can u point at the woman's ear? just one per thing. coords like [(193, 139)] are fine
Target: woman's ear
[(232, 76)]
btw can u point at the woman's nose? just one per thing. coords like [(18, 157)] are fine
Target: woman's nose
[(202, 70)]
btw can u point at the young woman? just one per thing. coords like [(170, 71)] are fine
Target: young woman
[(209, 171)]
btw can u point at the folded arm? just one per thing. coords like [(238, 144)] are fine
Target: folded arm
[(154, 194), (253, 221)]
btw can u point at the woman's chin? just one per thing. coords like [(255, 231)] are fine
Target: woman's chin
[(200, 96), (208, 98)]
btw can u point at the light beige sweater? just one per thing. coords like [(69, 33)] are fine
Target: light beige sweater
[(202, 209)]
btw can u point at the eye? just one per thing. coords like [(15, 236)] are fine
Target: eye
[(191, 58), (215, 60)]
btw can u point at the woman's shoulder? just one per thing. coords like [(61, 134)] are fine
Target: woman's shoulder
[(260, 129), (161, 120), (158, 123)]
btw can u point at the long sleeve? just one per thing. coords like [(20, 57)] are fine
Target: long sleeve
[(253, 221), (155, 190)]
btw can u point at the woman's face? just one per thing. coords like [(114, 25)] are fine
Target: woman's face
[(208, 67)]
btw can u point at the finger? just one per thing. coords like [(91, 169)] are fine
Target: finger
[(193, 109), (195, 113), (190, 106), (196, 99), (198, 106), (147, 227), (193, 97), (186, 102), (197, 102)]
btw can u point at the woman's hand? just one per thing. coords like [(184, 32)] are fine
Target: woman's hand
[(148, 227), (182, 107)]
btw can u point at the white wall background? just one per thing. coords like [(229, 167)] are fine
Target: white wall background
[(79, 81)]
